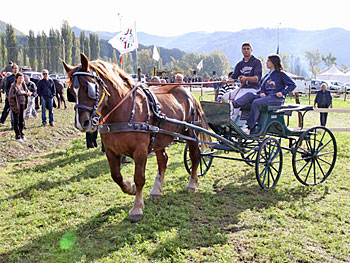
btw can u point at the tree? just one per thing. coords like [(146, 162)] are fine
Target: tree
[(3, 49), (145, 61), (94, 46), (40, 63), (31, 49), (315, 58), (44, 50), (344, 67), (24, 55), (285, 61), (75, 52), (66, 32), (329, 60), (84, 44), (11, 43)]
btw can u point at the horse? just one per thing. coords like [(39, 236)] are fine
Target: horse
[(59, 86), (101, 88)]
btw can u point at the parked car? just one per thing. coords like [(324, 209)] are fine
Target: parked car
[(336, 85), (135, 78), (33, 74), (54, 76)]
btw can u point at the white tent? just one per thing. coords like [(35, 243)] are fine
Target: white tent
[(333, 73)]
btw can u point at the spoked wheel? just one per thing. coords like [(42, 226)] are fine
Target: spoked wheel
[(205, 160), (314, 155), (268, 164)]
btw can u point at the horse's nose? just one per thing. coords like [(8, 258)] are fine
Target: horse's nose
[(86, 124)]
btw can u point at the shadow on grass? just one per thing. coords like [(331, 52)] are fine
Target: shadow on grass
[(190, 221), (89, 172)]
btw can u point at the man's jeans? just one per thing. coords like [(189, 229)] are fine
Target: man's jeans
[(46, 103)]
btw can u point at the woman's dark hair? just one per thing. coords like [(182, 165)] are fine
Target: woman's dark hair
[(18, 75), (276, 61)]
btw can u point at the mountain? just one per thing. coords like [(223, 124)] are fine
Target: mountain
[(3, 29), (264, 40)]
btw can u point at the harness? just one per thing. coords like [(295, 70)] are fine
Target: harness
[(152, 105)]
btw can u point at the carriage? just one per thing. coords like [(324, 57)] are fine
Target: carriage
[(134, 120), (313, 150)]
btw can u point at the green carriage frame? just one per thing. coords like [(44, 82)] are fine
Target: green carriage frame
[(314, 150)]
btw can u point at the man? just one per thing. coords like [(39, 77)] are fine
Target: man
[(179, 78), (8, 68), (323, 99), (8, 82), (46, 92), (33, 90), (248, 71)]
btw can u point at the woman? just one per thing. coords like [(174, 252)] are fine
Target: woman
[(274, 87), (18, 100)]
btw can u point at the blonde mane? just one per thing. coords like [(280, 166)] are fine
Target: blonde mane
[(112, 72)]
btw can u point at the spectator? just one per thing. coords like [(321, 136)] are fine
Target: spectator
[(46, 92), (179, 78), (8, 68), (18, 99), (163, 81), (8, 82), (155, 79), (33, 90), (323, 99)]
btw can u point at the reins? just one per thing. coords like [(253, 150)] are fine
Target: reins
[(103, 120)]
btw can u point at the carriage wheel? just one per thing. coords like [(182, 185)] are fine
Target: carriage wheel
[(314, 155), (205, 161), (268, 164)]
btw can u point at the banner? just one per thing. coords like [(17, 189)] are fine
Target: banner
[(200, 65), (125, 41), (156, 55)]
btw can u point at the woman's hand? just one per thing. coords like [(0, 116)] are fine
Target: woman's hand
[(262, 95), (279, 94)]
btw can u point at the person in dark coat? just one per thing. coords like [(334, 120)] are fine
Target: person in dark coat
[(46, 92), (8, 82), (323, 99)]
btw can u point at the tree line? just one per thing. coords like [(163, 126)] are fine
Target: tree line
[(42, 50)]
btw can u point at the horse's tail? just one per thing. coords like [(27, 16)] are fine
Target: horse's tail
[(203, 121)]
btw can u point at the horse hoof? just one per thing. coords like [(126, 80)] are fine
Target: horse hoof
[(135, 218), (154, 197)]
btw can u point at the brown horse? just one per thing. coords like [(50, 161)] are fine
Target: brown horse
[(112, 88)]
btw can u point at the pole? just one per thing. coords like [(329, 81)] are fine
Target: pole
[(137, 61), (63, 50)]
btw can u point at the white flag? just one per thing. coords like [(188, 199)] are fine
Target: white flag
[(125, 41), (200, 65), (156, 55)]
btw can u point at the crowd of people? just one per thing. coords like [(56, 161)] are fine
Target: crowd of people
[(21, 99)]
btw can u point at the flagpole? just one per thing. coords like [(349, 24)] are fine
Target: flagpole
[(137, 61)]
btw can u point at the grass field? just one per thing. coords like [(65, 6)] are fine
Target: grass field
[(58, 203)]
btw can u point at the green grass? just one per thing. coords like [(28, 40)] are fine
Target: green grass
[(58, 203)]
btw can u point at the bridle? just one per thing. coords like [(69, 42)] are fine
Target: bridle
[(92, 92)]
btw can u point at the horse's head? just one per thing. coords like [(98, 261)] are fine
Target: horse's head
[(85, 89)]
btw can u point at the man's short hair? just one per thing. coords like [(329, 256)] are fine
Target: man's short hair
[(247, 44)]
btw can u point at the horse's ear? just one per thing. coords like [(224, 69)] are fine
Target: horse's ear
[(84, 62), (67, 68)]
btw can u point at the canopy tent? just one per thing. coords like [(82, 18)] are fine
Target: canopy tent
[(333, 73)]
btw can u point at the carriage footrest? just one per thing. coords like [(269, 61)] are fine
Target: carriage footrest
[(223, 147)]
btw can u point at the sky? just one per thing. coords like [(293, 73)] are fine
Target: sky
[(177, 17)]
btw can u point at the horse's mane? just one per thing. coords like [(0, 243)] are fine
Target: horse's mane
[(112, 72)]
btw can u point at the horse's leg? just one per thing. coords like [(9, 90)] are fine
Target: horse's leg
[(58, 100), (162, 159), (114, 161), (194, 155), (63, 100), (140, 159)]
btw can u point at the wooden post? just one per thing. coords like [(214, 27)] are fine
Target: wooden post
[(139, 74), (297, 101)]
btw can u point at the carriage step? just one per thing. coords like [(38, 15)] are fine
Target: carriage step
[(223, 147)]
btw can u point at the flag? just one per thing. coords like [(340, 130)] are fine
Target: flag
[(278, 49), (200, 65), (156, 55), (125, 41)]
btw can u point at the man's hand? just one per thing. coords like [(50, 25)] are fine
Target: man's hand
[(262, 95), (243, 79), (279, 94)]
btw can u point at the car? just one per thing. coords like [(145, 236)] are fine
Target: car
[(336, 85), (33, 74), (135, 78), (54, 76)]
